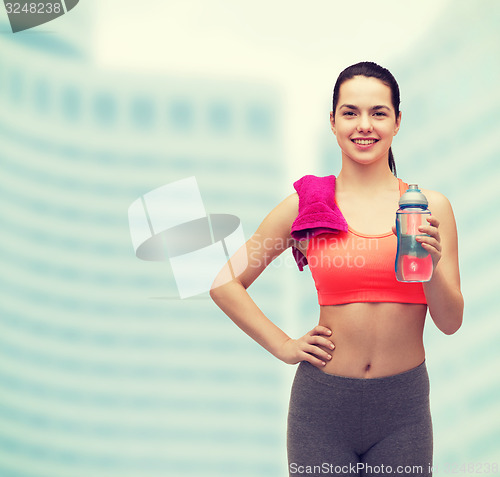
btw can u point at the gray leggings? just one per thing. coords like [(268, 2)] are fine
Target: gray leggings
[(353, 426)]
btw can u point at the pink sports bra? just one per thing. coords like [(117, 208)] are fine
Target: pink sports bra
[(350, 267)]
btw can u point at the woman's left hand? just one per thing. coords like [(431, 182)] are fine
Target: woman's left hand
[(432, 241)]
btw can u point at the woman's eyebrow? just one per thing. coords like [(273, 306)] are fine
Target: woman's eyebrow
[(350, 106), (375, 108)]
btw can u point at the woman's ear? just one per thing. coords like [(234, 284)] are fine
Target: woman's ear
[(398, 123), (332, 122)]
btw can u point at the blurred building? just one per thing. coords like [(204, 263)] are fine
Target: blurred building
[(104, 371)]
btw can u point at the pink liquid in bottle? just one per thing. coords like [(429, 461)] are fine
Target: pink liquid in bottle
[(415, 269)]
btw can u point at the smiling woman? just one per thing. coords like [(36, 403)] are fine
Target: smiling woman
[(361, 391)]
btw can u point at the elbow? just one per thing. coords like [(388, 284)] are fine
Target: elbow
[(217, 288), (215, 293), (212, 293), (450, 330), (220, 291)]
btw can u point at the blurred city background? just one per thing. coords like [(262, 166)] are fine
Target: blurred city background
[(104, 370)]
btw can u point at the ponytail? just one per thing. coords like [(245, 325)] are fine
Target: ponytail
[(392, 164)]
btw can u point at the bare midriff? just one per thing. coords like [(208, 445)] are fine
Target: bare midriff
[(374, 339)]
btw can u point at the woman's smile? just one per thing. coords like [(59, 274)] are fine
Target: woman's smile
[(364, 143)]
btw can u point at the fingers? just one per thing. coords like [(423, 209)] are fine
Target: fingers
[(314, 347), (429, 243), (433, 238), (317, 355), (315, 336), (320, 330), (430, 231), (433, 220), (432, 241), (432, 228), (319, 340), (319, 363), (311, 343)]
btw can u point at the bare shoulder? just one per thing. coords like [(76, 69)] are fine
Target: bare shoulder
[(439, 204), (282, 216), (441, 208), (276, 228), (289, 206), (271, 238)]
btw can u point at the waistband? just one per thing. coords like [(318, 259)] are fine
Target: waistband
[(412, 376)]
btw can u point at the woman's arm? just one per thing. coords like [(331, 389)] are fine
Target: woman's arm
[(268, 242), (442, 292)]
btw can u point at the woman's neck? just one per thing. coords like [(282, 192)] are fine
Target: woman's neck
[(365, 178)]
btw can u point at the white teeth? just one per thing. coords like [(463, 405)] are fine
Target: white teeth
[(364, 142)]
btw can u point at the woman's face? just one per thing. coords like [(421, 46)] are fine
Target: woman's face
[(365, 120)]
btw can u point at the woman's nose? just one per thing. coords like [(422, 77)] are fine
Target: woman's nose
[(365, 123)]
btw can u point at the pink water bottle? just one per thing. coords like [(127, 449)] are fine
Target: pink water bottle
[(413, 262)]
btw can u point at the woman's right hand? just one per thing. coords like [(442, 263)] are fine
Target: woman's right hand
[(308, 348)]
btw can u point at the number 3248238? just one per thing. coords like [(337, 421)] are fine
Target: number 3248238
[(33, 7)]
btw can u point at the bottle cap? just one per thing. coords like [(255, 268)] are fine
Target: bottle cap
[(413, 197)]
